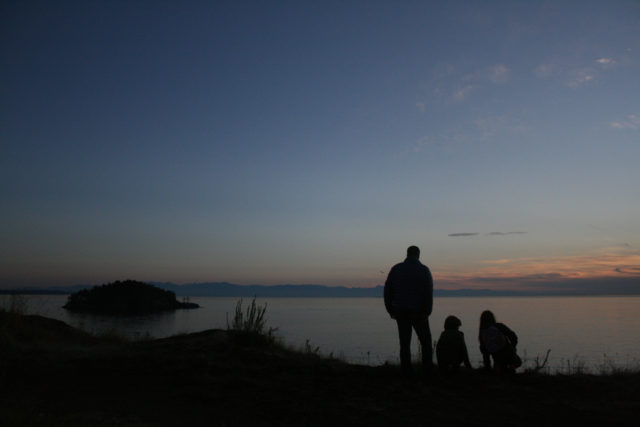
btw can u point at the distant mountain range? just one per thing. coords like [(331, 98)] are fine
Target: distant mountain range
[(223, 289)]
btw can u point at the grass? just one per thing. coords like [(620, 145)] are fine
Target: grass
[(15, 303), (251, 323), (537, 364), (58, 375)]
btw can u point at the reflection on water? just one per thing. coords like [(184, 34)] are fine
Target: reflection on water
[(589, 331), (135, 327)]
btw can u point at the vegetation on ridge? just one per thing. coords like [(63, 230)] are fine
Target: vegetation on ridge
[(53, 374)]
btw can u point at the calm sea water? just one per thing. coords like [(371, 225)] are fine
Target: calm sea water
[(581, 332)]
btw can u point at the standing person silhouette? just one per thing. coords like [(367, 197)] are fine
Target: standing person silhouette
[(408, 298)]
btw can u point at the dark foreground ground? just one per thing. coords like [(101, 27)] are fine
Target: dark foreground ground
[(52, 374)]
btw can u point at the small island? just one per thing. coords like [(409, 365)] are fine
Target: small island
[(129, 297)]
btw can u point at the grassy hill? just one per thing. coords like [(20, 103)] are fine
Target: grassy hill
[(52, 374)]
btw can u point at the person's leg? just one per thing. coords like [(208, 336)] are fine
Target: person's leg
[(421, 325), (502, 361), (404, 332)]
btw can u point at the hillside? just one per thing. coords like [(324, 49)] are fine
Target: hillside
[(52, 374)]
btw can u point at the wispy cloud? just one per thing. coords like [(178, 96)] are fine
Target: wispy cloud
[(606, 63), (420, 145), (575, 72), (471, 131), (632, 121), (490, 126), (462, 93), (505, 233), (493, 233), (544, 71), (584, 75), (499, 73), (581, 77), (629, 270), (454, 84), (617, 267), (614, 261)]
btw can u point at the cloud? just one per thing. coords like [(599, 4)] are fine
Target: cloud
[(629, 270), (449, 137), (449, 83), (632, 121), (576, 75), (421, 106), (608, 270), (584, 75), (524, 278), (490, 126), (543, 71), (581, 77), (461, 94), (493, 233), (420, 145), (464, 133), (505, 233), (606, 262), (606, 63), (498, 74)]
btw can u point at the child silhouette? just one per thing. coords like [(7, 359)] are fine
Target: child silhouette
[(451, 350)]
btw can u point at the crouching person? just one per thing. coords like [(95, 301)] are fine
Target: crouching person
[(498, 342)]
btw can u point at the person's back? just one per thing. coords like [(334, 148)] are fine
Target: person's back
[(409, 286), (451, 350)]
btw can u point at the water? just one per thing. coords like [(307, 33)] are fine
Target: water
[(593, 333)]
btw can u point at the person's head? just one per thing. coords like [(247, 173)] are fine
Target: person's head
[(487, 319), (452, 322), (413, 252)]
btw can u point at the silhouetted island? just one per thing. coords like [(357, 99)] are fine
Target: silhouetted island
[(125, 298)]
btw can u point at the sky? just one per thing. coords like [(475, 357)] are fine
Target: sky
[(275, 142)]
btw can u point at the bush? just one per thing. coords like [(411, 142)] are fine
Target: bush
[(252, 321)]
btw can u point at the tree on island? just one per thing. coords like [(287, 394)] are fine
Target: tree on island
[(125, 298)]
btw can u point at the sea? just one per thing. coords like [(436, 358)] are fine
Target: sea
[(574, 334)]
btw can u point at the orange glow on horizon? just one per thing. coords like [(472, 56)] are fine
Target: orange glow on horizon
[(505, 273)]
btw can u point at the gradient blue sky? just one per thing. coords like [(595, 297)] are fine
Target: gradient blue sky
[(312, 142)]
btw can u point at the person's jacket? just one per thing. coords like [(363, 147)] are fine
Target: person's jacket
[(490, 343), (409, 287)]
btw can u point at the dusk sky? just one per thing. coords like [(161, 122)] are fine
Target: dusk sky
[(311, 142)]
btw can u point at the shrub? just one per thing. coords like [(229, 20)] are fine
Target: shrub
[(16, 304), (251, 321)]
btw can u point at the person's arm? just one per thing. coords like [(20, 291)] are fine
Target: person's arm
[(388, 295), (511, 336), (486, 357), (465, 353), (429, 292)]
